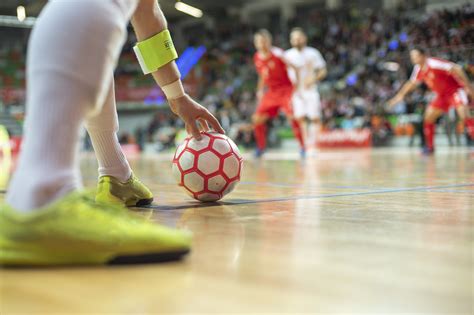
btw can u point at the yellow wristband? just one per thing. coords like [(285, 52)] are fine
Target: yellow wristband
[(156, 51)]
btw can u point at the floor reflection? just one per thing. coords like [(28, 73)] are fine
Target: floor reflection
[(218, 233)]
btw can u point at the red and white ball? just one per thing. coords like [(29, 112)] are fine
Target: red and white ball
[(207, 169)]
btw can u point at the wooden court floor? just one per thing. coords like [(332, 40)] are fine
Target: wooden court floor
[(352, 232)]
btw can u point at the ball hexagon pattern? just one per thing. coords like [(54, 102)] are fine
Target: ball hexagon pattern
[(207, 169)]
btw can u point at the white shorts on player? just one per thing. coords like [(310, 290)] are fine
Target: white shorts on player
[(306, 104), (306, 99)]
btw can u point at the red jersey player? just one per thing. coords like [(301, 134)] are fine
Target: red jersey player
[(450, 84), (274, 90)]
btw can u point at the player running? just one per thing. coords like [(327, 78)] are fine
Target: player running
[(274, 90), (450, 84), (48, 219), (311, 70)]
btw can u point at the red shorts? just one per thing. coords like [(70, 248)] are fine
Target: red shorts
[(275, 100), (445, 102)]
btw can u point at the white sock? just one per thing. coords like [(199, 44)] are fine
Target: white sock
[(72, 51), (103, 129), (46, 171), (304, 132), (312, 134)]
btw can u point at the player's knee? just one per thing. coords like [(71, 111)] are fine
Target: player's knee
[(463, 113), (258, 119), (431, 115), (254, 119), (429, 119)]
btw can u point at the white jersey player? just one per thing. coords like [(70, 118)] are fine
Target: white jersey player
[(311, 69)]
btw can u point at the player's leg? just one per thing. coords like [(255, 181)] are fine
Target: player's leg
[(62, 90), (71, 54), (432, 113), (303, 125), (266, 109), (102, 129), (466, 119), (314, 114), (116, 182), (313, 131), (297, 131), (299, 112), (461, 103), (285, 98), (259, 120)]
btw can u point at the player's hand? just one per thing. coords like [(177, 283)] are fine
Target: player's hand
[(298, 94), (192, 113), (309, 81), (393, 101)]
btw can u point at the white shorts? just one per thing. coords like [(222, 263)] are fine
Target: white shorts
[(306, 104)]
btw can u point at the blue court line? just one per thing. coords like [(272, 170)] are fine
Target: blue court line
[(233, 202), (375, 192), (456, 191), (303, 186), (283, 185)]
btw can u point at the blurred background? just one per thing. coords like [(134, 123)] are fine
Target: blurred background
[(364, 42)]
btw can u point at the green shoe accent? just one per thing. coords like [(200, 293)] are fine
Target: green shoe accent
[(132, 193), (76, 230)]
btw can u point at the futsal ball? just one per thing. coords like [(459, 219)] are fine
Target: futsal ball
[(207, 169)]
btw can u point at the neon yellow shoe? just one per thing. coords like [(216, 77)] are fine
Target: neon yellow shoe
[(76, 231), (131, 193)]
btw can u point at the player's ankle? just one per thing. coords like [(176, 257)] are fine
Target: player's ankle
[(29, 200), (122, 174)]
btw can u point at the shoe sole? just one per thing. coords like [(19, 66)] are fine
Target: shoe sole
[(148, 258), (45, 260), (144, 202)]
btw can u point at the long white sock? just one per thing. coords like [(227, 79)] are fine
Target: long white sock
[(47, 166), (103, 129), (304, 131), (72, 51), (312, 134)]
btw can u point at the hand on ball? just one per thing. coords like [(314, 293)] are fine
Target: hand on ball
[(192, 113)]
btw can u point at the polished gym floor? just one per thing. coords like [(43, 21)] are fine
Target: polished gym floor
[(364, 232)]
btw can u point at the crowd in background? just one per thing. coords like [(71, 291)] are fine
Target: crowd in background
[(360, 47), (366, 53)]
